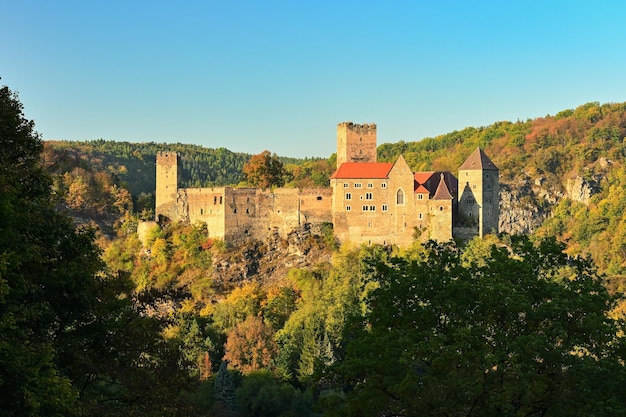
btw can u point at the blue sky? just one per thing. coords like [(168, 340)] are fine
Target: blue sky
[(280, 76)]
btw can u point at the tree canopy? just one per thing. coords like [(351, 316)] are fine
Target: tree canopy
[(264, 171), (523, 332)]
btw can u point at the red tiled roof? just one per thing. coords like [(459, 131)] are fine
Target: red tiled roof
[(422, 177), (421, 190), (358, 170)]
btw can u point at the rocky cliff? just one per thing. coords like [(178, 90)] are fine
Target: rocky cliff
[(527, 202)]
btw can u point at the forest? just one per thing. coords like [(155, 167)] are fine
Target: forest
[(96, 322)]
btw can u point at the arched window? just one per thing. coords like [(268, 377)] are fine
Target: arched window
[(400, 197)]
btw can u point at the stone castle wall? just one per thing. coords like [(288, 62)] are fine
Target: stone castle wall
[(240, 214), (386, 210)]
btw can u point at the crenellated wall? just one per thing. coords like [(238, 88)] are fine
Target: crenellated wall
[(356, 143)]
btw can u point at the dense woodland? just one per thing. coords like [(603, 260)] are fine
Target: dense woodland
[(94, 322)]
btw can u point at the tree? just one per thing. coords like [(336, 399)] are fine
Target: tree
[(47, 271), (264, 171), (524, 332), (224, 388), (261, 395), (250, 345), (72, 342)]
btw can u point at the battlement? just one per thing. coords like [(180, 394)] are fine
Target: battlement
[(362, 129), (167, 158), (356, 143)]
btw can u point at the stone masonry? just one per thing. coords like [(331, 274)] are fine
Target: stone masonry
[(367, 201)]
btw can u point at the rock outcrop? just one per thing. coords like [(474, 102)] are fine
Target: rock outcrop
[(270, 259)]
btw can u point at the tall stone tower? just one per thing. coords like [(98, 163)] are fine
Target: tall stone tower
[(479, 193), (166, 184), (356, 143)]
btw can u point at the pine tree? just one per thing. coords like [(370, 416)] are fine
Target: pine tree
[(224, 388)]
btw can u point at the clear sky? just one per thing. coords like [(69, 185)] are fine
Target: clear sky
[(255, 75)]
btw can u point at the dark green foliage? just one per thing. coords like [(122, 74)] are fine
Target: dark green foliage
[(261, 395), (46, 276), (524, 332), (133, 165), (72, 341), (224, 388)]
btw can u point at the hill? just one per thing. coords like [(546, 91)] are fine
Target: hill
[(567, 168), (296, 318)]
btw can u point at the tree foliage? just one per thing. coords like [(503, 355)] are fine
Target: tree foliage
[(264, 171), (523, 333)]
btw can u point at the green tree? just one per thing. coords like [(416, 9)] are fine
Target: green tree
[(46, 276), (224, 388), (524, 332), (260, 395), (264, 171), (72, 342)]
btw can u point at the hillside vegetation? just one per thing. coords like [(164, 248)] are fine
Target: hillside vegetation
[(536, 158), (98, 322)]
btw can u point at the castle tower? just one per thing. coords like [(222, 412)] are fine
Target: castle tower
[(479, 192), (166, 184), (441, 207), (356, 143)]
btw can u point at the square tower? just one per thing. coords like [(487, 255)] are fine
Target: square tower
[(166, 184), (479, 191), (356, 143)]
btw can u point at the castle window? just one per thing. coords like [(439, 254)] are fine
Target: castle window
[(348, 208), (346, 185), (220, 199), (235, 211), (248, 211), (421, 215), (474, 186), (357, 185), (369, 224), (420, 196), (368, 196), (400, 197), (385, 207), (365, 208), (319, 198), (201, 211), (372, 208), (440, 208), (370, 185), (471, 201), (348, 196), (383, 185), (214, 199)]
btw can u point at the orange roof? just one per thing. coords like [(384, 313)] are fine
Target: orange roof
[(358, 170), (421, 190), (422, 177)]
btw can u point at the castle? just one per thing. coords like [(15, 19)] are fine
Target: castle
[(367, 202)]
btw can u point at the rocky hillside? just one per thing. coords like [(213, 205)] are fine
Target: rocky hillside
[(266, 261)]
